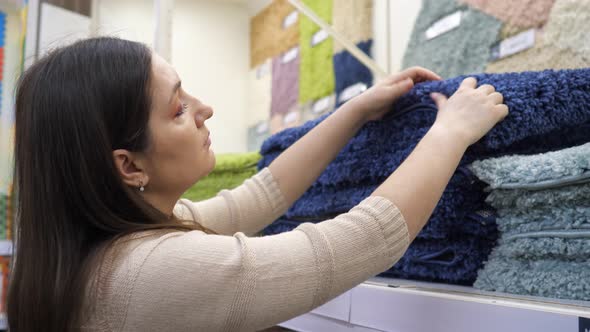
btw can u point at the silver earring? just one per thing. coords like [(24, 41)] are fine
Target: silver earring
[(141, 188)]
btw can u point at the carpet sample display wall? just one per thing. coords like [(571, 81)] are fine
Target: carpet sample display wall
[(561, 46), (519, 13), (463, 50), (268, 36), (258, 98), (354, 20), (230, 171), (549, 110), (285, 82), (349, 71), (316, 72), (568, 25), (544, 220)]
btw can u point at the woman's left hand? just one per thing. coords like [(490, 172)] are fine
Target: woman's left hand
[(374, 103)]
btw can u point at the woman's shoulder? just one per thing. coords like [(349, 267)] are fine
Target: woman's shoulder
[(115, 267)]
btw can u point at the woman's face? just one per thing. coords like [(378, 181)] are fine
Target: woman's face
[(179, 152)]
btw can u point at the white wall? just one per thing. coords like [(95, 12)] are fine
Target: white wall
[(128, 19), (210, 51), (391, 33)]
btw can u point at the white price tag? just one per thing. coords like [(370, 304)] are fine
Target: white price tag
[(290, 55), (444, 25), (262, 127), (517, 43), (263, 70), (290, 19), (290, 117), (319, 37), (352, 91), (321, 105)]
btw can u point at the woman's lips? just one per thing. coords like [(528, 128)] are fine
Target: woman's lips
[(208, 141)]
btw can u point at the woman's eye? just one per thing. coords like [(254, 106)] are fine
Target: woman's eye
[(181, 110)]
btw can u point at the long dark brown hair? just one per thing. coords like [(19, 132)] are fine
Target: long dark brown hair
[(73, 108)]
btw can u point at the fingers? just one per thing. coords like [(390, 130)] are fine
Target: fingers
[(439, 99), (502, 110), (419, 74), (416, 74), (496, 98), (487, 89), (400, 88), (468, 83)]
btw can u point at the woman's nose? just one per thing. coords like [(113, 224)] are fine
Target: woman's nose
[(203, 113)]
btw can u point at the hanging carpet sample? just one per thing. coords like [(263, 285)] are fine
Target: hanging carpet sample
[(550, 239), (540, 57), (352, 77), (258, 98), (568, 26), (562, 45), (269, 36), (316, 72), (518, 13), (285, 82), (462, 50), (353, 19)]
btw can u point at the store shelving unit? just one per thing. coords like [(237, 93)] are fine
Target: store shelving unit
[(383, 304)]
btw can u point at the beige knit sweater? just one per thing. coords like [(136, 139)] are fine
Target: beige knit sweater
[(192, 281)]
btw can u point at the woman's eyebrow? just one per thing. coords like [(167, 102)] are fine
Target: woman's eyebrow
[(174, 89)]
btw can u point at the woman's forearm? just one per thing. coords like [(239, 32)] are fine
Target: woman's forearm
[(418, 183), (301, 164)]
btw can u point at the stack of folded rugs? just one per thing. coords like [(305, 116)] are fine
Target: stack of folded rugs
[(230, 171), (543, 204), (550, 110)]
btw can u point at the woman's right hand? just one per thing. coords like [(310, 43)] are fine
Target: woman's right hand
[(470, 112)]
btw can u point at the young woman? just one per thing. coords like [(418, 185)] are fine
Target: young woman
[(107, 140)]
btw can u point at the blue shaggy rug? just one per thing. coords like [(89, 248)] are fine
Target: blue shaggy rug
[(544, 221), (549, 110)]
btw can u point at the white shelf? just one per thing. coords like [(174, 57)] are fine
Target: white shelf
[(382, 304)]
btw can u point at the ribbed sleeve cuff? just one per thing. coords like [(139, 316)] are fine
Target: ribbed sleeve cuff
[(392, 222), (271, 186)]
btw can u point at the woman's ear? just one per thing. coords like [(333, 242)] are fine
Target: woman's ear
[(130, 168)]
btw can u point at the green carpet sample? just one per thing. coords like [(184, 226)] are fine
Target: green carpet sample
[(316, 72), (230, 171)]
